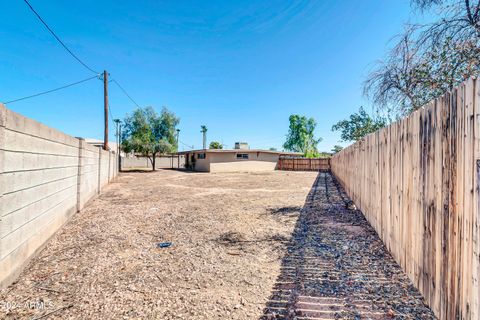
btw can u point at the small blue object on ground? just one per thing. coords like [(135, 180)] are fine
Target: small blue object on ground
[(164, 244)]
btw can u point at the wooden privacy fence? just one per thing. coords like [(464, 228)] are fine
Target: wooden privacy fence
[(303, 164), (417, 182)]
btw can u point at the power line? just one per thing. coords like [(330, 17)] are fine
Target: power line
[(58, 39), (186, 145), (52, 90), (74, 55), (110, 112), (125, 92)]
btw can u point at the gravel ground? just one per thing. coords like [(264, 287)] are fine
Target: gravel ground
[(336, 267), (229, 234)]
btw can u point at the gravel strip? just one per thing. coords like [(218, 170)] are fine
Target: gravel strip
[(336, 267)]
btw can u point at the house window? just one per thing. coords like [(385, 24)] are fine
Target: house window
[(242, 155), (201, 156)]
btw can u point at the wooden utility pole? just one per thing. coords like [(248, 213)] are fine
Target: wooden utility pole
[(105, 106)]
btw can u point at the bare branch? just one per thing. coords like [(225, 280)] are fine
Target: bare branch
[(428, 59)]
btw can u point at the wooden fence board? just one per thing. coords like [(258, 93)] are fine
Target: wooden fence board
[(417, 182), (303, 164)]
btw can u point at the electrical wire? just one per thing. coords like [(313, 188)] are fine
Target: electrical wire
[(125, 92), (73, 55), (52, 90), (58, 39), (186, 145), (110, 113)]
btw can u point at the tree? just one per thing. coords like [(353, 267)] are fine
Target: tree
[(204, 131), (336, 148), (215, 145), (398, 82), (149, 134), (272, 149), (428, 59), (300, 137), (358, 126), (460, 18)]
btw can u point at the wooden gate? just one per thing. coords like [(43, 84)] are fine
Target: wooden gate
[(303, 164)]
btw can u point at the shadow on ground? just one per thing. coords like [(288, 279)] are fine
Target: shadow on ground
[(285, 210), (336, 267)]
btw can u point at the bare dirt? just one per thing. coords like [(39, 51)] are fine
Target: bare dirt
[(277, 245), (228, 233)]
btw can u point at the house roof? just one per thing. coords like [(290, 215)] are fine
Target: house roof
[(97, 142), (240, 151)]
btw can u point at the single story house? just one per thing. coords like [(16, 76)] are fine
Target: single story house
[(233, 160)]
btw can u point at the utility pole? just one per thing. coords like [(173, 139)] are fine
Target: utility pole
[(105, 109), (178, 149), (117, 122), (117, 139), (204, 131), (178, 135), (119, 148)]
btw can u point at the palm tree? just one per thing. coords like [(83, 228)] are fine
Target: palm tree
[(204, 131)]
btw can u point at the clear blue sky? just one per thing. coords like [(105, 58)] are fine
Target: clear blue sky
[(239, 67)]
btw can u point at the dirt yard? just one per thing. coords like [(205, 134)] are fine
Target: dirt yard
[(229, 233), (278, 245)]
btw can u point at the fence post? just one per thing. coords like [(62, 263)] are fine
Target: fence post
[(109, 162), (3, 120), (81, 147), (115, 168), (99, 169)]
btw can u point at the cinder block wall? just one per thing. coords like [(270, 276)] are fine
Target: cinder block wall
[(45, 177), (160, 162)]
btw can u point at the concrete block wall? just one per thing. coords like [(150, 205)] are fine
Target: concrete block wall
[(161, 162), (45, 177)]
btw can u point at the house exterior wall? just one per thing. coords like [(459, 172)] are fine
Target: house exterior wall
[(228, 162), (203, 165)]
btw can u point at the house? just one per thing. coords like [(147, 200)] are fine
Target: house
[(233, 160)]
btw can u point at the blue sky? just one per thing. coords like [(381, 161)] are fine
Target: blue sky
[(239, 67)]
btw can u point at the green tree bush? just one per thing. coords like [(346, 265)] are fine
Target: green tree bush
[(358, 126), (148, 133), (215, 145), (301, 137), (336, 149)]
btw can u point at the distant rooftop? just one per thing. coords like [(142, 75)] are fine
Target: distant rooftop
[(297, 154), (99, 143)]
